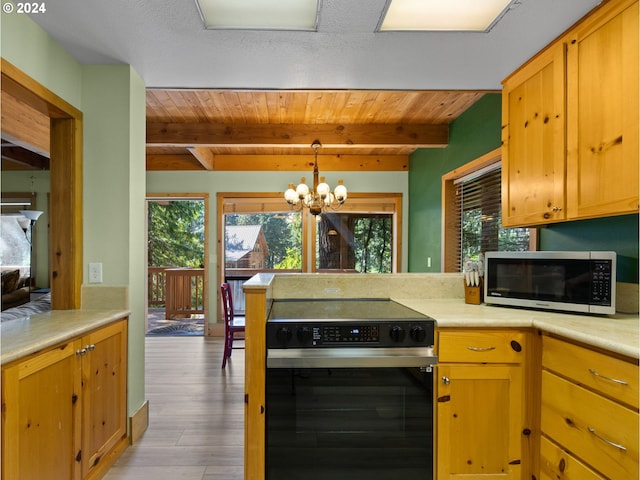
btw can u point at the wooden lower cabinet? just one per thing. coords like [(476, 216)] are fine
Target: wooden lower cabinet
[(64, 409), (39, 416), (556, 463), (104, 403), (481, 421), (590, 408)]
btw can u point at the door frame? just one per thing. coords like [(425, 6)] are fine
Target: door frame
[(65, 210), (173, 197)]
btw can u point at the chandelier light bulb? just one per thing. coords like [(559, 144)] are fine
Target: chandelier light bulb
[(329, 199), (291, 196), (340, 192), (323, 189), (302, 190)]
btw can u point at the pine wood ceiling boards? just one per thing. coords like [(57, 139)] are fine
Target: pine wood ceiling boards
[(273, 129)]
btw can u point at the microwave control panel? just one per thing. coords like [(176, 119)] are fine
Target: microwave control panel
[(601, 282)]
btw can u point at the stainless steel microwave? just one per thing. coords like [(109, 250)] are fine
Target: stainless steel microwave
[(565, 281)]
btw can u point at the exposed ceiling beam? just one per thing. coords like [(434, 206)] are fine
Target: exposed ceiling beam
[(25, 158), (24, 126), (204, 156), (327, 163), (290, 135)]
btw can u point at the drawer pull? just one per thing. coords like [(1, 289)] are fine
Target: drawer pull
[(608, 442), (614, 380), (481, 349)]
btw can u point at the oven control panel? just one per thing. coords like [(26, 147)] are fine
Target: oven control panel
[(336, 334)]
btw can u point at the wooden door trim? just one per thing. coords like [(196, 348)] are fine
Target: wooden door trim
[(65, 214), (189, 196)]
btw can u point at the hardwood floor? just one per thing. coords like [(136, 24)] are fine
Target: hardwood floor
[(196, 414)]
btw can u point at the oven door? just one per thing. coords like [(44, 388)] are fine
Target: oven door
[(351, 422)]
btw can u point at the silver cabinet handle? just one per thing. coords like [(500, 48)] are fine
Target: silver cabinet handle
[(81, 352), (614, 380), (446, 380), (481, 349), (608, 442), (91, 347)]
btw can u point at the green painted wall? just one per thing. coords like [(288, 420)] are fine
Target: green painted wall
[(113, 106), (32, 50), (474, 133), (618, 234)]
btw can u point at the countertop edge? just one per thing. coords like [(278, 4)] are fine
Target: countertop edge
[(621, 336), (20, 338)]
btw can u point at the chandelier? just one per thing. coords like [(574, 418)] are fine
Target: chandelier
[(320, 198)]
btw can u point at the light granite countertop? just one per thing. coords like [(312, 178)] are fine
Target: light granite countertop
[(616, 333), (441, 296), (22, 337)]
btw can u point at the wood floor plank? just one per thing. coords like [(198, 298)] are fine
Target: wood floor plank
[(196, 414)]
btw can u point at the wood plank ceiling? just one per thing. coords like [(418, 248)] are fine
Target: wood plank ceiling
[(270, 130)]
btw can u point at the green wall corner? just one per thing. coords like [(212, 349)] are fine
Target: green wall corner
[(474, 133)]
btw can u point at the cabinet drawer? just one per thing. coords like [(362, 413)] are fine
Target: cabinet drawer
[(555, 463), (615, 378), (600, 432), (491, 346)]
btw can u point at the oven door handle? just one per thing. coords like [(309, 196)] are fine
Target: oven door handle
[(351, 357)]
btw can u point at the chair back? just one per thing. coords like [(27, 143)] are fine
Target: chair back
[(227, 302)]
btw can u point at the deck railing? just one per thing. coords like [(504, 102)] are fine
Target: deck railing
[(180, 290), (157, 285)]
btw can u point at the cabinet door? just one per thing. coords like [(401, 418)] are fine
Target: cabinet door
[(480, 419), (533, 141), (104, 377), (40, 414), (602, 109)]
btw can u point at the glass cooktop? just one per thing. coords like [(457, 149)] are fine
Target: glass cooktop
[(342, 309)]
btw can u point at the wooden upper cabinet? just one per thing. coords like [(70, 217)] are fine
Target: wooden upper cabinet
[(570, 124), (602, 113), (533, 141)]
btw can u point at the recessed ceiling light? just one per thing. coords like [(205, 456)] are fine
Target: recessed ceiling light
[(438, 15), (260, 14)]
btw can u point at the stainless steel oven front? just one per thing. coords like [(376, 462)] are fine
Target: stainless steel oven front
[(349, 391)]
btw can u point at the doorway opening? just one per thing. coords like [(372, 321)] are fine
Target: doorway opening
[(176, 265)]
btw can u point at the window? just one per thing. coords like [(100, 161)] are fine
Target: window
[(262, 241), (259, 232), (473, 214), (355, 242)]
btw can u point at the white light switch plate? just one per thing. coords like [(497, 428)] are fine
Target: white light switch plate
[(95, 273)]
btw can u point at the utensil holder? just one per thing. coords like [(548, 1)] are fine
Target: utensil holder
[(473, 295)]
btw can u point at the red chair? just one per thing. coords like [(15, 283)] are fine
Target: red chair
[(232, 325)]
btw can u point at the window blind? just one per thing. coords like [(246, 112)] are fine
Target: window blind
[(478, 207)]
